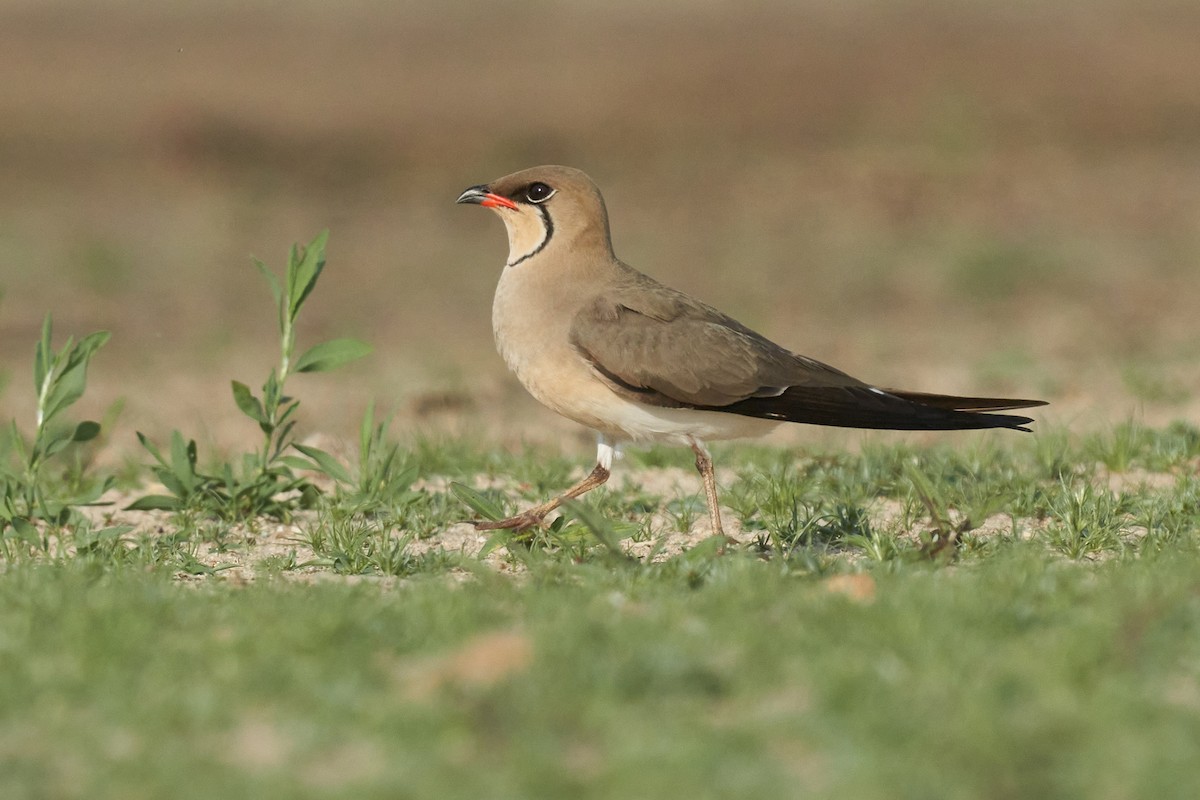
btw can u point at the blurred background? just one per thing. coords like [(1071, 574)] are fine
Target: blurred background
[(949, 196)]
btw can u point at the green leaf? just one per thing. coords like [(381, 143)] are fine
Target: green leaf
[(365, 432), (190, 566), (52, 442), (155, 502), (89, 344), (271, 391), (172, 483), (479, 504), (303, 270), (183, 460), (283, 439), (289, 407), (496, 540), (296, 462), (27, 531), (68, 385), (152, 448), (332, 354), (248, 403), (327, 463), (86, 431)]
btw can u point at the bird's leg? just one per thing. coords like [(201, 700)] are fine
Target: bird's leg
[(704, 465), (533, 517)]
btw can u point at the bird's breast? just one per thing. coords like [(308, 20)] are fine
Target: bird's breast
[(528, 330), (532, 330)]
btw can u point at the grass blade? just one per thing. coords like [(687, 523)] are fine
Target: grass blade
[(326, 463), (480, 504), (600, 527), (155, 502)]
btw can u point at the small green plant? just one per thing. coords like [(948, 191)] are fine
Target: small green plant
[(351, 545), (1086, 521), (684, 511), (60, 378), (963, 491), (605, 532), (795, 521), (776, 502), (265, 482), (382, 483)]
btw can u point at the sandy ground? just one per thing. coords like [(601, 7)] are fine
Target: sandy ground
[(251, 552)]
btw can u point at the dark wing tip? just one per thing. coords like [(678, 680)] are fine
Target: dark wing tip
[(867, 407), (949, 402)]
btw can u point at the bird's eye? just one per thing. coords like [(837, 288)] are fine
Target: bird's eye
[(538, 192)]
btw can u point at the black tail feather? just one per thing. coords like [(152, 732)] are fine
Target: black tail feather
[(955, 403), (867, 407)]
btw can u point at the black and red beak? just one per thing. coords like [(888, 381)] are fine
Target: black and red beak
[(482, 195)]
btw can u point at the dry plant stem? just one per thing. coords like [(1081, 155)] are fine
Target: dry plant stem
[(704, 465), (534, 516)]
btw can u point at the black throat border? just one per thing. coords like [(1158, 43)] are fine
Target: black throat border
[(545, 241)]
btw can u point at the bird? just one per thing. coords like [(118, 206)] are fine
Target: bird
[(639, 362)]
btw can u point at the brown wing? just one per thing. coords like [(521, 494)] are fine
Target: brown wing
[(671, 350), (663, 348)]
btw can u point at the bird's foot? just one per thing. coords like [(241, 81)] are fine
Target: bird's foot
[(521, 522)]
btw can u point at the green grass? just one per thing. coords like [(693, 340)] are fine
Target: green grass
[(1016, 676), (1054, 655)]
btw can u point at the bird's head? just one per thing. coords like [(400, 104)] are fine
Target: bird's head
[(543, 208)]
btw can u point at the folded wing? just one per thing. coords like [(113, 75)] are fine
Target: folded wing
[(661, 347)]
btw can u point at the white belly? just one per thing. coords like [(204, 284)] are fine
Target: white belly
[(636, 422)]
